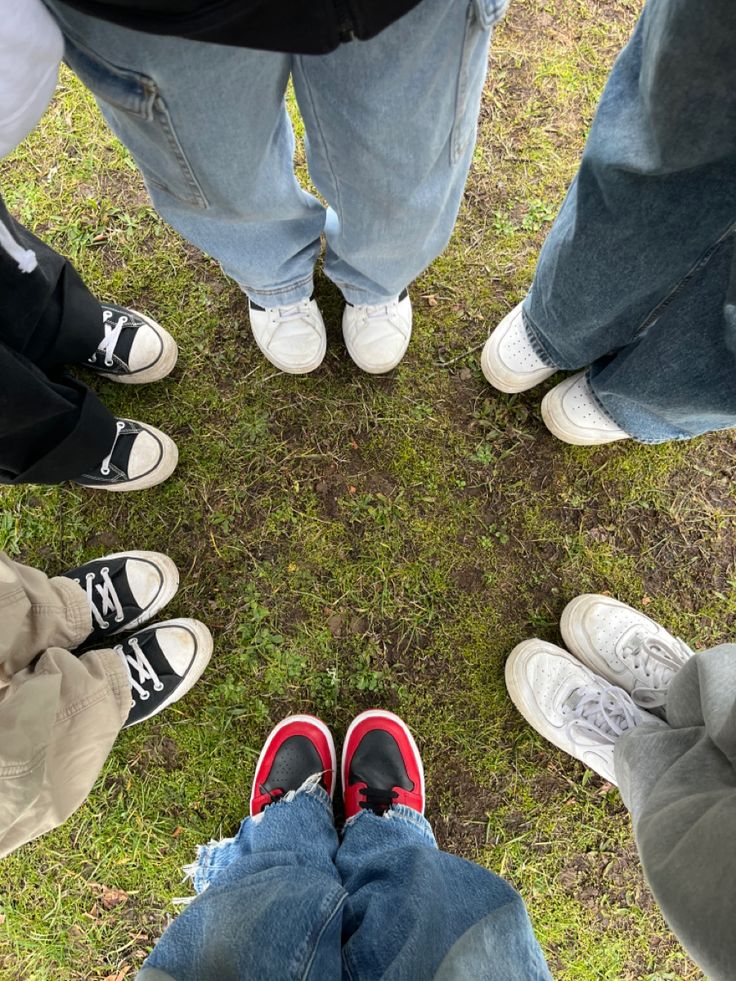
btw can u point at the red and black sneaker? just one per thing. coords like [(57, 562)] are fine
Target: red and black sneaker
[(381, 765), (299, 747)]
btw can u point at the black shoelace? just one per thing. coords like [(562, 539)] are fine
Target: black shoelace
[(376, 800)]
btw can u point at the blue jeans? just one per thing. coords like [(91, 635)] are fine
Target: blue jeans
[(285, 900), (390, 128), (637, 277)]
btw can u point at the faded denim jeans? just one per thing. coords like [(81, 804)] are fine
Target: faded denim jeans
[(390, 129), (286, 900), (637, 277)]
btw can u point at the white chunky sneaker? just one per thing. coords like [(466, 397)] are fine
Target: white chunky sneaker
[(571, 413), (140, 456), (509, 361), (377, 336), (570, 706), (292, 337), (624, 646), (133, 348)]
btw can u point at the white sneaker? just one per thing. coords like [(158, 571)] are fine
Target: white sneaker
[(509, 361), (571, 413), (163, 662), (293, 337), (133, 348), (570, 706), (624, 646), (141, 456), (377, 336)]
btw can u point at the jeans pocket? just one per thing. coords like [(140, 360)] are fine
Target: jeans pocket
[(136, 110), (480, 19)]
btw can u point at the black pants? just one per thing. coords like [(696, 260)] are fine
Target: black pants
[(52, 427)]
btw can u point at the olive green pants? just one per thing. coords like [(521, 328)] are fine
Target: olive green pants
[(59, 713)]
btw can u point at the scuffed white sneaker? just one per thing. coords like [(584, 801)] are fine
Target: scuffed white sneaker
[(133, 348), (570, 706), (624, 646), (292, 337), (509, 361), (141, 456), (571, 413), (377, 336)]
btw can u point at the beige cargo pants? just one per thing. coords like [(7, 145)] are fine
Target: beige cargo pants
[(60, 714)]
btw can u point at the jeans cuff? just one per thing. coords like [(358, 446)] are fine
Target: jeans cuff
[(538, 342), (403, 814), (283, 296)]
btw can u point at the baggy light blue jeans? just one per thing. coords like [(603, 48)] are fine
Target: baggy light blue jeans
[(286, 900), (637, 277), (390, 129)]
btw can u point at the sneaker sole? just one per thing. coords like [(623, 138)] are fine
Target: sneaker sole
[(161, 472), (169, 584), (560, 426), (382, 714), (505, 382), (202, 656), (517, 684), (312, 720), (162, 367)]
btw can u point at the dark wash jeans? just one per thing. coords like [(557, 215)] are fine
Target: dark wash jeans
[(52, 427), (637, 277), (286, 899)]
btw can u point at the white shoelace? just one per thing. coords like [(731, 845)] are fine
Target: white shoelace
[(280, 316), (108, 597), (105, 465), (112, 335), (659, 660), (381, 311), (609, 713), (138, 662)]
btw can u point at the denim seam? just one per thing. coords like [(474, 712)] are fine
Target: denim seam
[(308, 89), (305, 281), (315, 943), (699, 264)]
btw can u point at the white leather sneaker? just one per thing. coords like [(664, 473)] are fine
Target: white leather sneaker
[(571, 413), (624, 646), (377, 336), (570, 706), (292, 337), (509, 361)]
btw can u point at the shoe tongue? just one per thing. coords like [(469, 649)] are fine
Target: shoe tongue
[(126, 337), (123, 448)]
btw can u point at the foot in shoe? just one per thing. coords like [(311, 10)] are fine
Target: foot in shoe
[(133, 349), (381, 765), (623, 646), (572, 414), (140, 456), (125, 589), (293, 337), (509, 361), (163, 662), (575, 709), (377, 336), (298, 750)]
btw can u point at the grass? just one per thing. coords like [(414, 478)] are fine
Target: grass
[(355, 541)]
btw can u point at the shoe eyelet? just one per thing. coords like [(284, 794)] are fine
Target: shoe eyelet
[(158, 687), (144, 696), (105, 471)]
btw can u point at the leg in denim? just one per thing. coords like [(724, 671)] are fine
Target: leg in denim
[(654, 198), (270, 902), (390, 125), (416, 912)]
